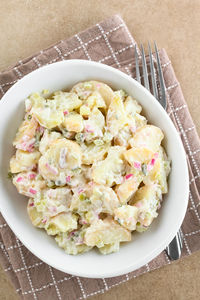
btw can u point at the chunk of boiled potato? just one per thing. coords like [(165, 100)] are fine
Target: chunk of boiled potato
[(48, 115), (127, 216), (35, 216), (104, 198), (147, 200), (123, 136), (140, 121), (63, 156), (109, 248), (131, 106), (135, 121), (138, 155), (27, 184), (67, 101), (121, 93), (61, 223), (24, 161), (159, 172), (85, 89), (116, 116), (26, 134), (66, 241), (127, 188), (93, 153), (47, 139), (94, 125), (107, 231), (73, 122), (50, 112), (34, 100), (109, 171), (91, 216), (149, 137), (80, 202), (78, 179), (84, 110), (52, 202), (97, 117), (95, 100), (95, 198)]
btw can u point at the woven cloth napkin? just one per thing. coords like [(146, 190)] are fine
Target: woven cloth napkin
[(111, 43)]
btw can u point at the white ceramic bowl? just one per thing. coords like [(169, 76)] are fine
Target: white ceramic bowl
[(144, 247)]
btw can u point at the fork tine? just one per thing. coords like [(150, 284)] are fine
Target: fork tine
[(144, 68), (137, 66), (153, 77), (161, 79)]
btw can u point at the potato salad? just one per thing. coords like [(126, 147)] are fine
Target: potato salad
[(91, 166)]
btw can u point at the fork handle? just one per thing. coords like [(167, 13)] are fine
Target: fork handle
[(174, 249)]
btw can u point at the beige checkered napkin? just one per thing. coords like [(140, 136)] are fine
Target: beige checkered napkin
[(108, 42)]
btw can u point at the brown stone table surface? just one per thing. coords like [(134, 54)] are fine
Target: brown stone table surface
[(27, 26)]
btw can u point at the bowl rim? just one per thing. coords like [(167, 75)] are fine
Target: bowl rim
[(173, 232)]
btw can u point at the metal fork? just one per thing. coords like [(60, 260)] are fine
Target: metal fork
[(173, 250)]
